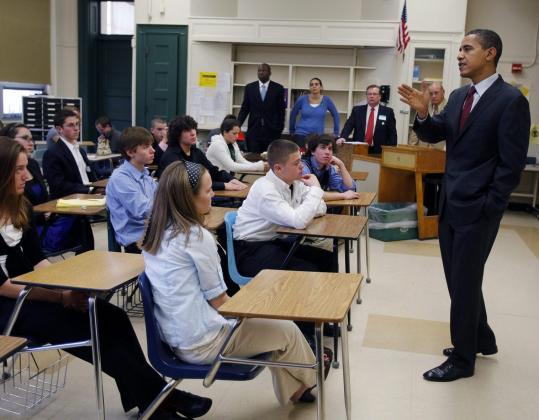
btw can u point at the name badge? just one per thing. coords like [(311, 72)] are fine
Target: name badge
[(382, 117)]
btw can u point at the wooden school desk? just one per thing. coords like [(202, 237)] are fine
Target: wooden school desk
[(216, 217), (365, 200), (10, 345), (241, 195), (301, 296), (50, 206), (93, 272)]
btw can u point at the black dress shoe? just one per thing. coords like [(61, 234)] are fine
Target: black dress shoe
[(487, 352), (447, 372), (188, 404)]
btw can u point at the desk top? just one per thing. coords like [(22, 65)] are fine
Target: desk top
[(92, 271), (10, 345), (365, 199), (295, 295), (92, 157), (102, 183), (216, 217), (337, 226), (233, 194), (531, 168), (246, 172), (359, 175), (50, 206)]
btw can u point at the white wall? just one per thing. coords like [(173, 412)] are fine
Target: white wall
[(162, 12), (222, 8), (64, 48), (436, 15)]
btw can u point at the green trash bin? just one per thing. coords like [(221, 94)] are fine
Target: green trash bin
[(393, 221)]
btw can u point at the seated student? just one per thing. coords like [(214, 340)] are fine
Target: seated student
[(225, 153), (182, 135), (319, 160), (60, 316), (159, 132), (56, 232), (131, 189), (216, 131), (65, 166), (107, 132), (52, 134), (183, 267), (283, 197)]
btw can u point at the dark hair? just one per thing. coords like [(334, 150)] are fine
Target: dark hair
[(132, 137), (173, 206), (489, 39), (319, 81), (315, 140), (372, 86), (13, 207), (62, 115), (180, 124), (103, 121), (229, 124), (11, 129), (279, 150), (229, 117)]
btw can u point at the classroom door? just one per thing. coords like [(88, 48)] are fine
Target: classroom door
[(161, 72), (114, 69)]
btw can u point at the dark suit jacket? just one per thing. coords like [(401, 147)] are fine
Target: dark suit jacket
[(174, 153), (266, 118), (484, 161), (62, 173), (385, 131)]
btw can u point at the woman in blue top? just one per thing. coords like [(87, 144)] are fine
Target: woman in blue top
[(313, 108)]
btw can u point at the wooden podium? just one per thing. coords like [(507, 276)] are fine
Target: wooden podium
[(401, 179)]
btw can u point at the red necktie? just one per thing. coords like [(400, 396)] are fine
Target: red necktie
[(370, 128), (467, 108)]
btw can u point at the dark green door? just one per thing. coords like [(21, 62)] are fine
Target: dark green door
[(114, 66), (161, 72)]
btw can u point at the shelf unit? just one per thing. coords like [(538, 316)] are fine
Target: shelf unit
[(344, 85), (428, 66), (39, 111)]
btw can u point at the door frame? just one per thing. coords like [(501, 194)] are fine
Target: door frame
[(140, 71)]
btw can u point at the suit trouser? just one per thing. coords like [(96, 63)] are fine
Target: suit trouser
[(259, 139), (465, 250), (257, 336), (121, 355)]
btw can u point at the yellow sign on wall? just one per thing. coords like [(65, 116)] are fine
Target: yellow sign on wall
[(207, 79), (534, 134)]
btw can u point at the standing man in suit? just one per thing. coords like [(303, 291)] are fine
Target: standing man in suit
[(264, 102), (436, 106), (65, 166), (486, 126), (376, 127)]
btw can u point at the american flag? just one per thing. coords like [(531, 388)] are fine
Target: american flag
[(403, 38)]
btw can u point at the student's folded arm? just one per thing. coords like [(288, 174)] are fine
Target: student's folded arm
[(276, 210), (309, 193), (203, 251)]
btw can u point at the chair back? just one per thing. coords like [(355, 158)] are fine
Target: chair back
[(230, 219), (113, 245), (167, 363)]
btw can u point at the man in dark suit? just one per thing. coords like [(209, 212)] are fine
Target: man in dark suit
[(264, 102), (376, 127), (486, 126), (65, 166)]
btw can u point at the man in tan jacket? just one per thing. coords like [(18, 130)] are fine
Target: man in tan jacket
[(436, 105)]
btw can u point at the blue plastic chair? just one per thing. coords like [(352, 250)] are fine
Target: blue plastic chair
[(230, 219), (168, 364)]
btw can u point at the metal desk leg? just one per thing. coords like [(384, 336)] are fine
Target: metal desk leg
[(16, 309), (320, 370), (346, 375), (367, 253), (358, 261), (535, 184), (96, 357)]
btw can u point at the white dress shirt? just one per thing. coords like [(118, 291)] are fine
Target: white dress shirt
[(81, 164), (184, 277), (270, 204), (482, 87), (219, 155)]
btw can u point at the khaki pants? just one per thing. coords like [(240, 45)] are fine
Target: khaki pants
[(256, 336)]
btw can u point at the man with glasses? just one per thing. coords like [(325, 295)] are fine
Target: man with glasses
[(65, 166), (372, 123)]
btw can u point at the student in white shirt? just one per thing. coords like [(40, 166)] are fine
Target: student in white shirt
[(187, 283), (225, 153), (284, 197)]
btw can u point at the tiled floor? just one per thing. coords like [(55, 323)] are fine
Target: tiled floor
[(399, 331)]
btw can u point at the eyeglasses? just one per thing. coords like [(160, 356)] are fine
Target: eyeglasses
[(26, 137)]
